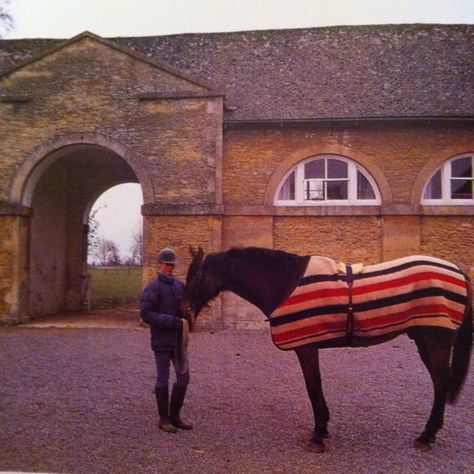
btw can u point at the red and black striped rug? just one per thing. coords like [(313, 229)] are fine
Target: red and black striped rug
[(385, 298)]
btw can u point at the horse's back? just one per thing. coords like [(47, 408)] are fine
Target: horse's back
[(412, 260), (415, 291)]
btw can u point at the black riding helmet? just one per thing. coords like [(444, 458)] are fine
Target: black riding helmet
[(167, 256)]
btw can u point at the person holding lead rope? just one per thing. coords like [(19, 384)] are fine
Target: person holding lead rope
[(159, 308)]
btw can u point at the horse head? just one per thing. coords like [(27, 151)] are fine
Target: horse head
[(200, 286)]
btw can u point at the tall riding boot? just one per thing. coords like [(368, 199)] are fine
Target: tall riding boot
[(177, 399), (163, 410)]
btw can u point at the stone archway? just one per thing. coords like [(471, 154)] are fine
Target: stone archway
[(60, 191)]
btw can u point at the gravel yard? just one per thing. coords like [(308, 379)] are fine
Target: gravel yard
[(80, 401)]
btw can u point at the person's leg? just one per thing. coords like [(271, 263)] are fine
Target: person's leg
[(179, 392), (162, 360)]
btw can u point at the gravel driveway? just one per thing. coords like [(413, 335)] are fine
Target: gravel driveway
[(80, 401)]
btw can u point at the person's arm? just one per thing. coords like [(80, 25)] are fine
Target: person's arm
[(148, 303)]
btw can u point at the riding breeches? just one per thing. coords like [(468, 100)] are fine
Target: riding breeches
[(163, 361)]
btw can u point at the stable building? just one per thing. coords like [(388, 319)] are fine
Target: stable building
[(355, 143)]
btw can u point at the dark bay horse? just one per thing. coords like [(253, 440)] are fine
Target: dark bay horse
[(351, 310)]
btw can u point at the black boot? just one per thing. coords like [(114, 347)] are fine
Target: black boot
[(163, 410), (177, 399)]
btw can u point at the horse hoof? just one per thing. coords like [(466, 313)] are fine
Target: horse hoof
[(421, 446), (317, 446)]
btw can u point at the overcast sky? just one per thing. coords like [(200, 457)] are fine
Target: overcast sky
[(66, 18), (108, 18)]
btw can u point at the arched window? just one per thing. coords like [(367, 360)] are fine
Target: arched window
[(452, 182), (327, 180)]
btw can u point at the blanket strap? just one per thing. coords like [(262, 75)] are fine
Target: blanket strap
[(350, 308)]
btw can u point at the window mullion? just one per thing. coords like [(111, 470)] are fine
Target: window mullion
[(325, 180), (352, 185), (299, 184), (446, 182)]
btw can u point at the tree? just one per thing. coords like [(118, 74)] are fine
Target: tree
[(137, 248), (115, 258), (6, 21), (92, 233), (107, 253)]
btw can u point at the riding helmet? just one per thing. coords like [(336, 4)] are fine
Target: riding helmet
[(168, 256)]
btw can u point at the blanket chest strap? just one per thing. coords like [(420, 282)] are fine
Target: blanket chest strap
[(350, 308)]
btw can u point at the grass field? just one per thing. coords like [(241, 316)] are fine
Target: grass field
[(113, 286)]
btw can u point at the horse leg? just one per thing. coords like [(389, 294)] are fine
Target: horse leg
[(309, 361), (435, 354)]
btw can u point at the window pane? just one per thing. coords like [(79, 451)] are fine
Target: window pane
[(461, 188), (337, 189), (314, 169), (287, 191), (364, 189), (337, 169), (314, 190), (462, 168), (433, 190)]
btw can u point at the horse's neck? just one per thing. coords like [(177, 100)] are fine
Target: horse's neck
[(265, 282)]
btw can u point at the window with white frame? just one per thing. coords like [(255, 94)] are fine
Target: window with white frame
[(327, 180), (452, 182)]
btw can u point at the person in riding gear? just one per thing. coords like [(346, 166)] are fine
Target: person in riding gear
[(159, 308)]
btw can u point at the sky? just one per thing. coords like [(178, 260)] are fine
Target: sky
[(67, 18), (119, 214)]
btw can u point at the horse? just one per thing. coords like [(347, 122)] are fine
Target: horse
[(313, 302)]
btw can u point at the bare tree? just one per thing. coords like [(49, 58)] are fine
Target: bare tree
[(92, 233), (107, 253), (137, 248), (6, 21), (115, 258)]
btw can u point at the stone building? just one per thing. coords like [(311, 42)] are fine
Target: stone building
[(352, 142)]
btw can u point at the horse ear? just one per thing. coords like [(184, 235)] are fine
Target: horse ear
[(196, 253)]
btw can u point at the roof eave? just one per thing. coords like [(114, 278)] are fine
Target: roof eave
[(249, 123)]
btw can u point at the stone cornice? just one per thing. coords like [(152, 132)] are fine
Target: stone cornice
[(304, 211), (14, 209)]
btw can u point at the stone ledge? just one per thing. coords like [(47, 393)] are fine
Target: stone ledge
[(181, 209), (14, 99), (447, 210), (303, 211), (13, 209)]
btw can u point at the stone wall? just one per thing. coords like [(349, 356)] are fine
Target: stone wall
[(6, 262), (14, 264), (449, 237), (400, 157), (110, 116)]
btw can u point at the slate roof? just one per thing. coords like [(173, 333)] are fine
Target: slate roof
[(389, 71)]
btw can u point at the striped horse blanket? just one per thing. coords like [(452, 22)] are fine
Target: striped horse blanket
[(334, 302)]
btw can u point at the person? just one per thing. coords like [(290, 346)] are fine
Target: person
[(159, 308)]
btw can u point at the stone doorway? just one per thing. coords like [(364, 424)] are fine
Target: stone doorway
[(62, 194)]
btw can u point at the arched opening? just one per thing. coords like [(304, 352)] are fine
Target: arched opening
[(115, 248), (62, 194)]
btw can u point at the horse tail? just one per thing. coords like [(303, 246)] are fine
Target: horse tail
[(462, 351)]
